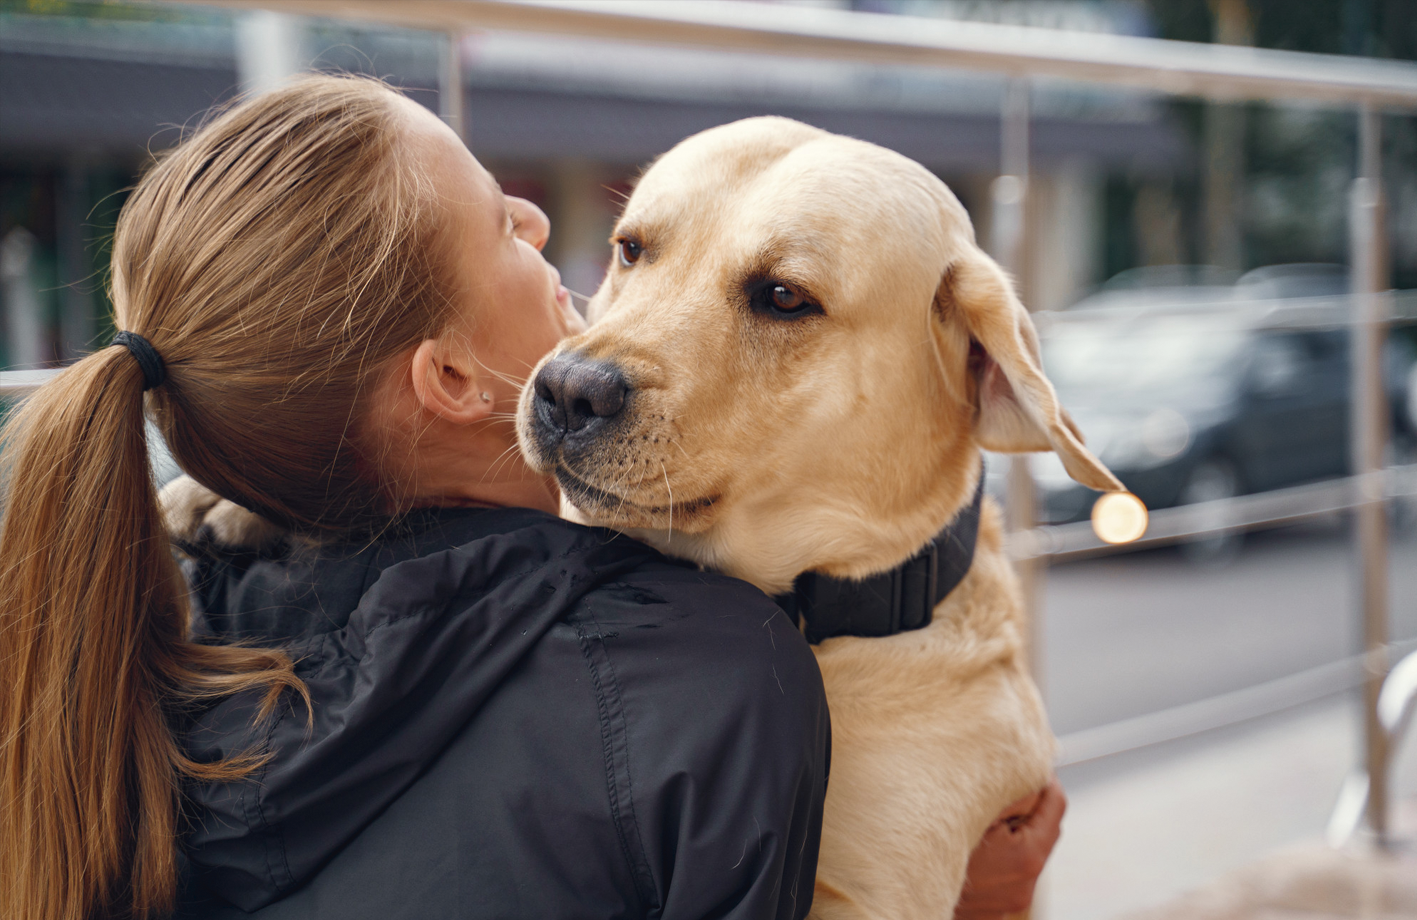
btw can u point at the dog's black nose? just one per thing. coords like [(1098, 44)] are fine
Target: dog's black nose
[(573, 393)]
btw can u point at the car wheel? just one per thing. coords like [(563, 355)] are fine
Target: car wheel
[(1211, 480)]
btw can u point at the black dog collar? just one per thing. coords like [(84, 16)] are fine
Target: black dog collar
[(891, 602)]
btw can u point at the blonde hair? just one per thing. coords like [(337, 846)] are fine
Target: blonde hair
[(277, 260)]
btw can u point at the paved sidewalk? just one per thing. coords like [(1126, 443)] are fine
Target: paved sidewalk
[(1305, 882), (1226, 826)]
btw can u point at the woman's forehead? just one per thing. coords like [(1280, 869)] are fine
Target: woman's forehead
[(458, 180)]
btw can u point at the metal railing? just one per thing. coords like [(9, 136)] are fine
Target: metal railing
[(1023, 55), (18, 384), (1397, 703)]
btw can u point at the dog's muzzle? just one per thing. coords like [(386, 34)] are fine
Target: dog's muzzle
[(577, 399)]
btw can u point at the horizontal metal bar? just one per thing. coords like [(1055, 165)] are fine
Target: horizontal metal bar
[(1074, 541), (1170, 525), (1399, 307), (1180, 68), (18, 384), (1219, 711)]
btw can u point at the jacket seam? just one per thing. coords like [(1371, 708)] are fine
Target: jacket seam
[(609, 707), (277, 849), (277, 853)]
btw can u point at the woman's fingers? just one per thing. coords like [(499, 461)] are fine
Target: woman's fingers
[(1020, 809), (1047, 816), (1004, 867)]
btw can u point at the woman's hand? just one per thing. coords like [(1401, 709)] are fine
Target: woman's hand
[(1006, 864)]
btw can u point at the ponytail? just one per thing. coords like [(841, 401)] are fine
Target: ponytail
[(95, 664), (279, 260)]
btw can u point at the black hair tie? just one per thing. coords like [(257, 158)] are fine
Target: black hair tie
[(154, 371)]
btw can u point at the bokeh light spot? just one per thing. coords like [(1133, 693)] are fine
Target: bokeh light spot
[(1118, 517)]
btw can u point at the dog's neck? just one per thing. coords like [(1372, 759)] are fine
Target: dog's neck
[(898, 600), (770, 538)]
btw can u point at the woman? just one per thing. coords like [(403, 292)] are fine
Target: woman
[(451, 703)]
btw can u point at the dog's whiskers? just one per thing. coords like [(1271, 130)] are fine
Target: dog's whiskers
[(616, 489), (669, 532), (577, 295), (503, 457), (517, 382)]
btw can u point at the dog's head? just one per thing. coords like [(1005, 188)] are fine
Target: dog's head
[(796, 355)]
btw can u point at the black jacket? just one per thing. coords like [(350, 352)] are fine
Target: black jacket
[(514, 716)]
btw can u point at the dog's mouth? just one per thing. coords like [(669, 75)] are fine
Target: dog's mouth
[(621, 511)]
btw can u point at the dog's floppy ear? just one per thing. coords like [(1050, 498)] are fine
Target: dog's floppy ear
[(1016, 408)]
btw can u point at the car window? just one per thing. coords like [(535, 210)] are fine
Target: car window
[(1277, 366), (1147, 355)]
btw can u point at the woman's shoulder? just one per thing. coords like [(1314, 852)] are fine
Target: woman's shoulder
[(717, 644), (703, 698), (716, 738), (679, 615), (306, 588), (706, 643)]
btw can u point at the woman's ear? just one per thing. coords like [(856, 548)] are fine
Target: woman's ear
[(1016, 410), (445, 382)]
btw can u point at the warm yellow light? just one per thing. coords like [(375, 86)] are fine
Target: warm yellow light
[(1118, 517)]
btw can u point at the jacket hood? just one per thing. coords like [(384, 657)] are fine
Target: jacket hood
[(399, 643)]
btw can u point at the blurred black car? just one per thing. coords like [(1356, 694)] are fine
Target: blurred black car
[(1204, 393)]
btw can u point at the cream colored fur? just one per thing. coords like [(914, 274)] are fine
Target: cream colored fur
[(841, 442)]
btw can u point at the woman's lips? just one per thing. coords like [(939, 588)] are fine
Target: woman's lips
[(563, 296)]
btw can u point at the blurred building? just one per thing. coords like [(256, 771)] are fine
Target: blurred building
[(89, 91)]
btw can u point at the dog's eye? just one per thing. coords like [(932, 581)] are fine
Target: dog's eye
[(780, 301), (629, 251), (788, 300)]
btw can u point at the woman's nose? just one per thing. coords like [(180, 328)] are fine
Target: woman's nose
[(532, 223)]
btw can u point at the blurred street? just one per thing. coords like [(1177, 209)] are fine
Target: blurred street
[(1133, 634)]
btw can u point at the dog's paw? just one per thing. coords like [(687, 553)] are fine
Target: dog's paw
[(197, 519)]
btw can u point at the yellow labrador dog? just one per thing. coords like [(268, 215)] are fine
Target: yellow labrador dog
[(795, 358)]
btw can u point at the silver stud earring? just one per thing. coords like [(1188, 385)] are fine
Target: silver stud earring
[(486, 397)]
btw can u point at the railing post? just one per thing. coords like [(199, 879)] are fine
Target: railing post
[(450, 85), (1010, 246), (1368, 264)]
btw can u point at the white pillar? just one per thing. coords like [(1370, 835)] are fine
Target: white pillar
[(77, 278), (583, 216), (451, 104), (268, 50), (25, 346), (1065, 212)]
